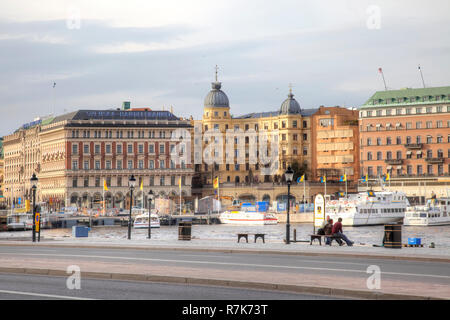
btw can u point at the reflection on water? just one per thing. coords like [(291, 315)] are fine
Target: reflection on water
[(440, 235)]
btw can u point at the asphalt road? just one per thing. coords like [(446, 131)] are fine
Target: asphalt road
[(413, 272), (424, 271), (25, 287)]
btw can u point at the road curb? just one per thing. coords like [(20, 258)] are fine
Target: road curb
[(336, 292), (240, 251)]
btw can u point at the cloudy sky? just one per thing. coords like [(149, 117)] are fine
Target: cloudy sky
[(163, 53)]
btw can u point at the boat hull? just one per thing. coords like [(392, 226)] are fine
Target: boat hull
[(424, 222), (365, 220), (247, 219), (145, 225)]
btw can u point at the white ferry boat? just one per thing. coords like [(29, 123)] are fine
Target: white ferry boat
[(19, 221), (141, 221), (247, 214), (434, 213), (368, 208)]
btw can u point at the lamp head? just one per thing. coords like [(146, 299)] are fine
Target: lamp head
[(289, 175), (132, 182), (33, 181)]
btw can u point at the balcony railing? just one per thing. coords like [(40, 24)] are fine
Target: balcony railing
[(394, 161), (414, 145), (434, 160)]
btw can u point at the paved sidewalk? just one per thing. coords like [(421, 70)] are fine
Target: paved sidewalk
[(271, 246), (338, 285), (342, 284)]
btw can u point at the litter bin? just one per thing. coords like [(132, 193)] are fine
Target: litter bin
[(393, 236), (80, 231), (184, 230)]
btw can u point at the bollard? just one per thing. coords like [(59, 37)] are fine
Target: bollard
[(295, 235)]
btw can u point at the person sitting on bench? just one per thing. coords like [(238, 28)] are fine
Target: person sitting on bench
[(322, 227), (328, 229), (337, 232)]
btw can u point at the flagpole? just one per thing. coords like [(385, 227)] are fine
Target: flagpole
[(103, 196), (421, 75), (304, 192), (346, 187), (382, 75)]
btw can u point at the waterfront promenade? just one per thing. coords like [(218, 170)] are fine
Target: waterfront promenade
[(418, 273)]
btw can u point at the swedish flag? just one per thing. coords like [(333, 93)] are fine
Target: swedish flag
[(364, 178), (343, 178), (301, 179), (323, 179)]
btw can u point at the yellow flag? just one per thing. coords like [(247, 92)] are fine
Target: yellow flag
[(388, 176), (142, 184), (179, 182), (216, 183), (105, 187), (302, 178)]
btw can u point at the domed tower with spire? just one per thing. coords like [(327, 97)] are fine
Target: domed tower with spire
[(216, 104), (290, 105)]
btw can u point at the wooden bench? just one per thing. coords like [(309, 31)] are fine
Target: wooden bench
[(319, 237), (245, 236)]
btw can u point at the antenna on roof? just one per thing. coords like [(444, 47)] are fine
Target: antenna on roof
[(421, 75), (53, 96), (382, 75), (217, 69)]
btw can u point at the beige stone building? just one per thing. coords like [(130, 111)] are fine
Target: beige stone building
[(289, 128), (289, 131), (74, 154)]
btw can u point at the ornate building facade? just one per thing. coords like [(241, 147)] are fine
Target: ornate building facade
[(407, 133), (289, 128), (74, 154)]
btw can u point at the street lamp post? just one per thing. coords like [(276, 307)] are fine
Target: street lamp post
[(289, 175), (150, 198), (131, 184), (34, 181)]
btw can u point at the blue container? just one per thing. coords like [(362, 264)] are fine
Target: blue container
[(414, 241), (262, 206), (80, 231)]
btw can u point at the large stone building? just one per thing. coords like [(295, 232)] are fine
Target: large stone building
[(75, 153), (289, 127), (289, 132), (335, 144), (407, 133)]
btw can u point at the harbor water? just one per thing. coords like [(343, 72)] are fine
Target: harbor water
[(369, 235)]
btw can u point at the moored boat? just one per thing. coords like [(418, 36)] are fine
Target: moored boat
[(141, 221), (19, 221), (248, 214), (368, 208), (435, 213)]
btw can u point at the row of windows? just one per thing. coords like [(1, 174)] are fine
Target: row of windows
[(130, 164), (119, 134), (108, 148), (387, 210), (408, 125), (216, 126), (98, 182), (429, 154), (398, 140), (404, 111), (409, 170)]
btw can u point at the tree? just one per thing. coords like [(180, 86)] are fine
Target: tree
[(300, 169)]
